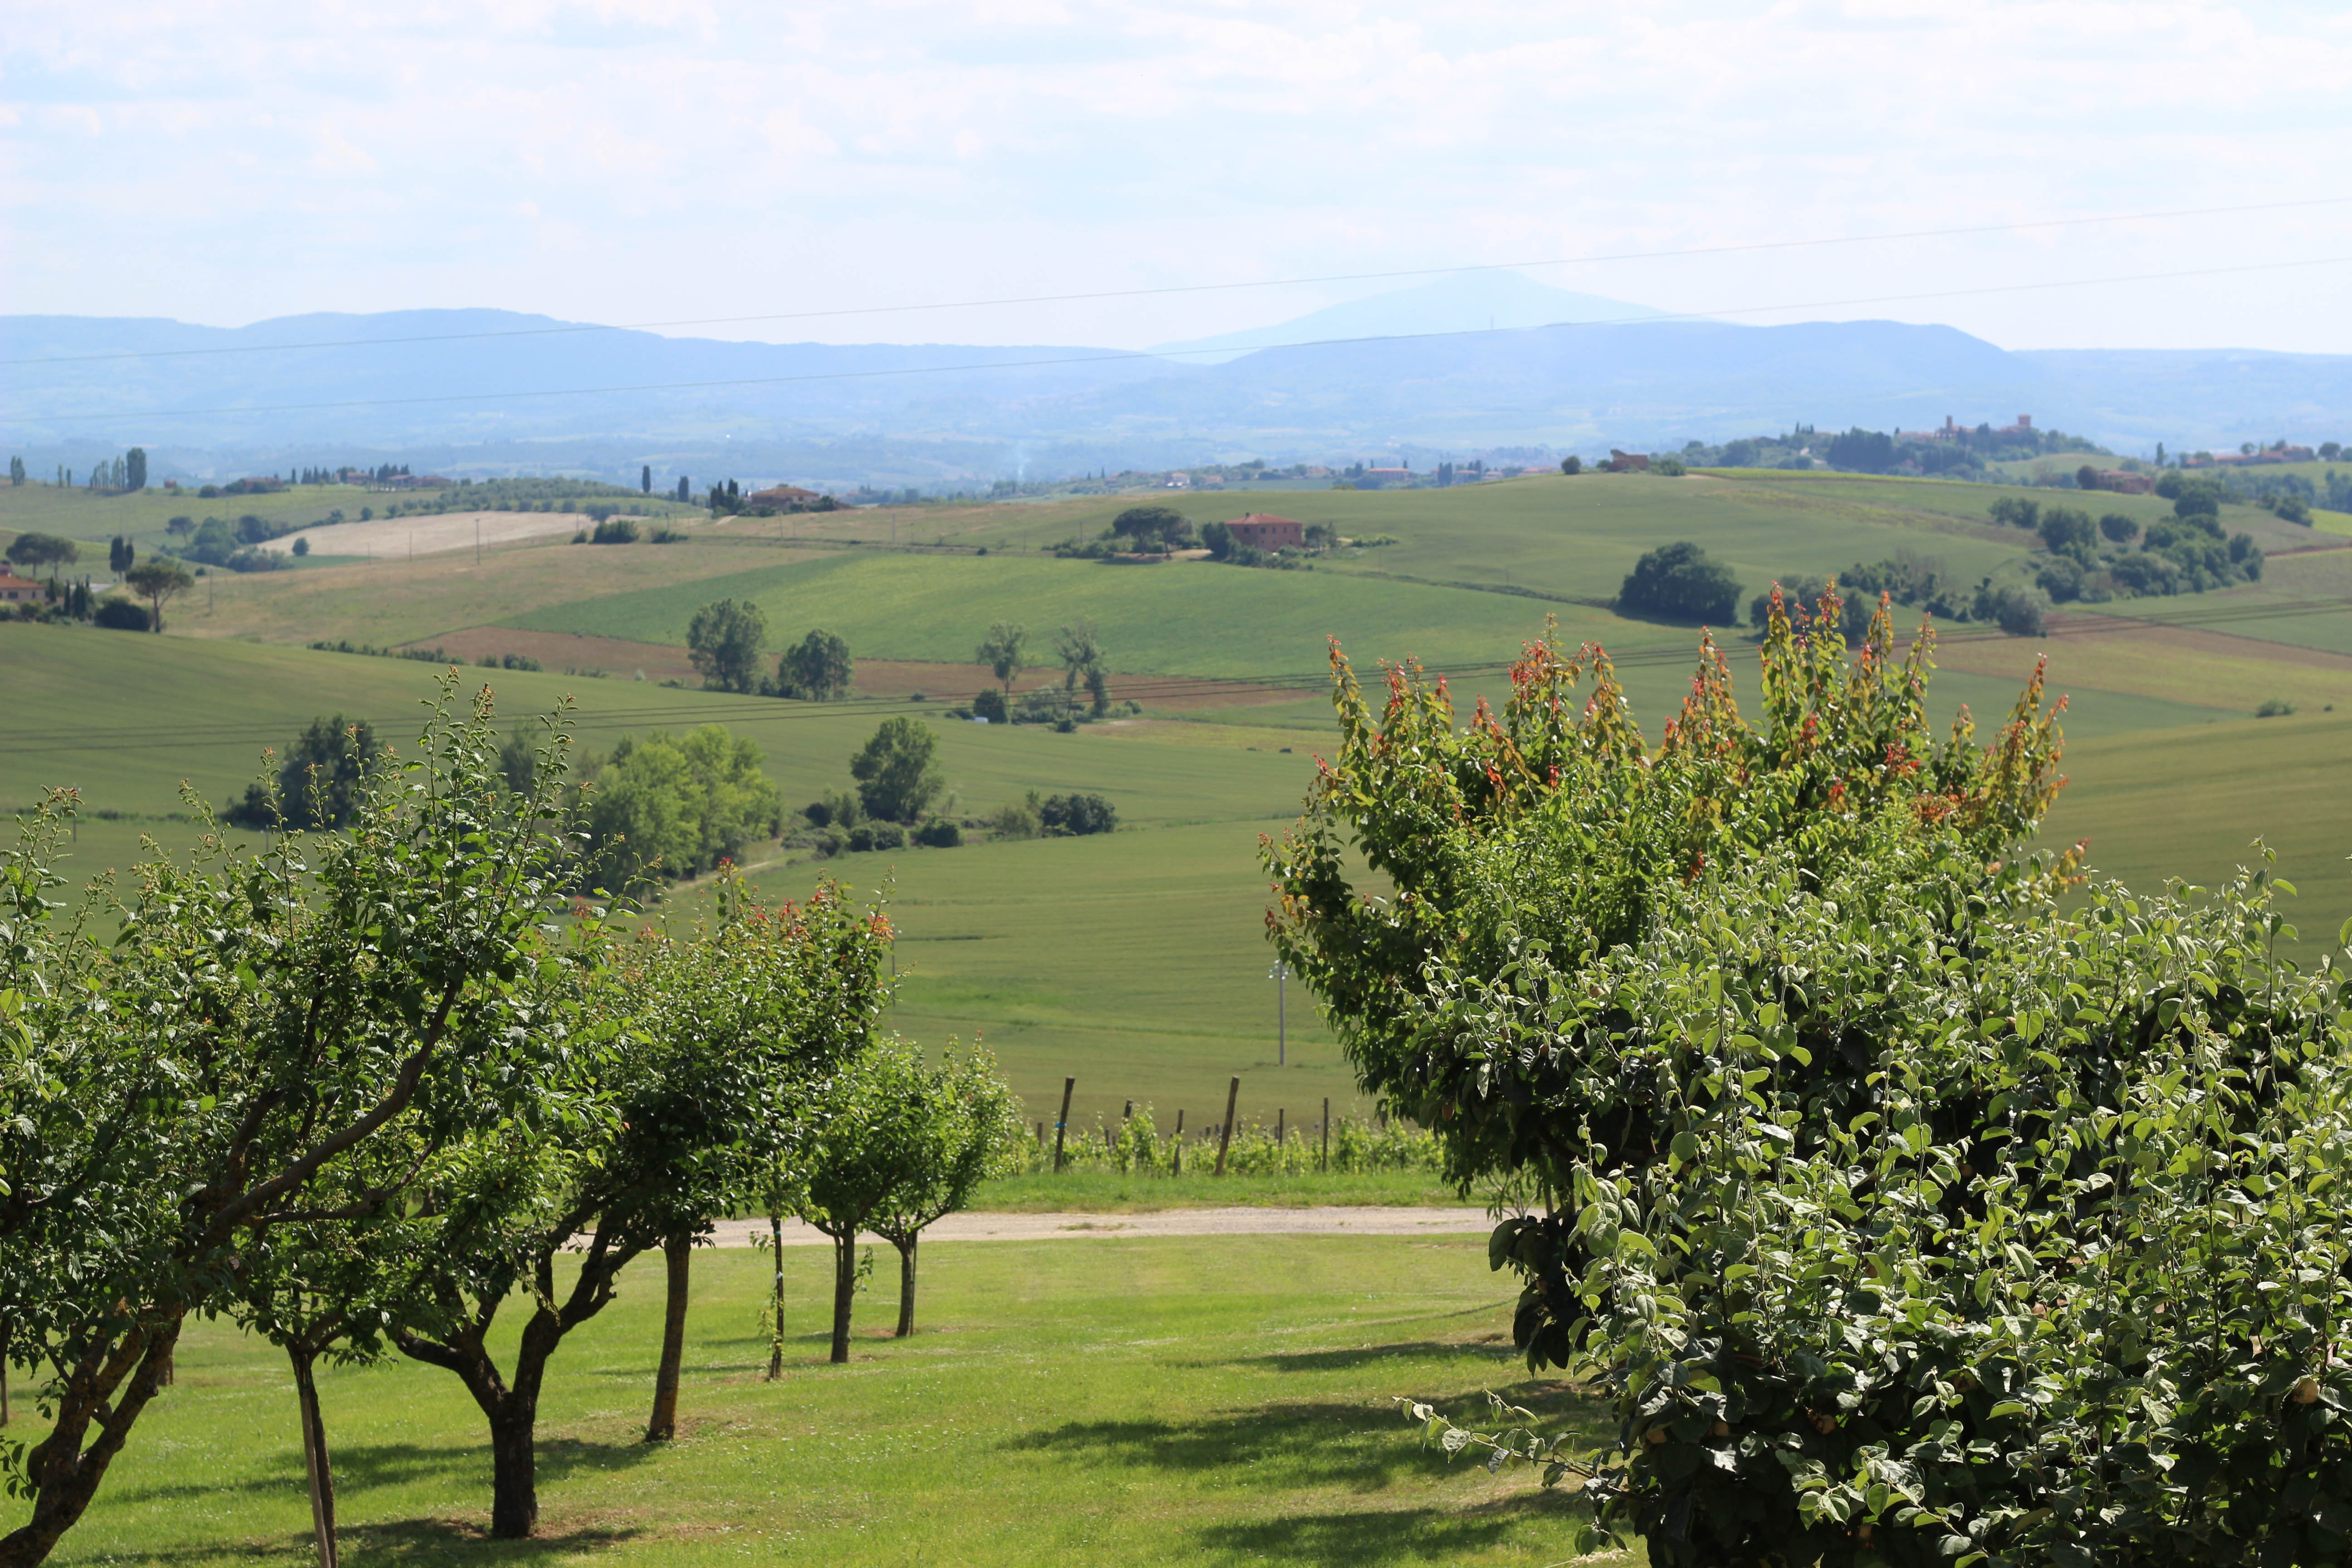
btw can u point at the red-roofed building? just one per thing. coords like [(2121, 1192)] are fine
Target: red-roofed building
[(1262, 531), (15, 590), (781, 498)]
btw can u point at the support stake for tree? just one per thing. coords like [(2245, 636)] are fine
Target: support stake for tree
[(1326, 1135), (1225, 1134), (1176, 1162), (1062, 1127)]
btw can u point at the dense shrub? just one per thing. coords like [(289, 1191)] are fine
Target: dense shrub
[(868, 836), (938, 833), (1679, 582), (122, 615), (614, 530), (1077, 815), (668, 806), (1911, 1224)]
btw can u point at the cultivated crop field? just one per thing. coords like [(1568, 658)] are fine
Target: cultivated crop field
[(1113, 1398), (1134, 962)]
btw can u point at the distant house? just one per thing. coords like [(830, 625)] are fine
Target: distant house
[(2126, 484), (15, 590), (1627, 462), (779, 498), (1262, 531)]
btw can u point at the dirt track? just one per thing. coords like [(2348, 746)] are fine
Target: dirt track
[(1326, 1220)]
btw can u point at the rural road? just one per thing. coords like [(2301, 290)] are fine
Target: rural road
[(1327, 1221)]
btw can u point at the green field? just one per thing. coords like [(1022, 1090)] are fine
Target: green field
[(1212, 1400), (1137, 962)]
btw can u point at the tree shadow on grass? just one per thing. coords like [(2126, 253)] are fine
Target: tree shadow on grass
[(1321, 1443), (363, 1467), (1499, 1350), (1386, 1535), (1361, 1445), (409, 1540)]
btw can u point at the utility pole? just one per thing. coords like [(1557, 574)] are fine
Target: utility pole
[(1280, 975)]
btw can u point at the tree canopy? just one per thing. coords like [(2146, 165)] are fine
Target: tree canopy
[(158, 580), (301, 1003), (1552, 822), (897, 776), (817, 669), (1152, 527), (1005, 651), (1677, 581), (725, 638), (320, 783), (675, 806), (36, 550)]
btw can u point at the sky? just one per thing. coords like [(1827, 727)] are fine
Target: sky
[(661, 160)]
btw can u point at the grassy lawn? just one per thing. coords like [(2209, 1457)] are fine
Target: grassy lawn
[(1217, 1400)]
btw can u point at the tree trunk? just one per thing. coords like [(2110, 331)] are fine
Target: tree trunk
[(906, 1282), (314, 1452), (677, 1257), (845, 1292), (514, 1469), (62, 1474), (8, 1343), (776, 1334)]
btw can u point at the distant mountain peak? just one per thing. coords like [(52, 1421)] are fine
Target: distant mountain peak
[(1498, 300)]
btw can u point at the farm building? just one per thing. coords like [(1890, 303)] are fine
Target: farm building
[(15, 590), (782, 497), (1261, 531)]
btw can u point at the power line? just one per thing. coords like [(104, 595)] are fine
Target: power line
[(1171, 354), (1079, 297)]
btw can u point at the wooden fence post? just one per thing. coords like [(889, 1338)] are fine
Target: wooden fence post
[(1327, 1134), (1061, 1128), (1176, 1161), (1225, 1134)]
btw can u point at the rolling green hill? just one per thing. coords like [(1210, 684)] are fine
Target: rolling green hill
[(1136, 961)]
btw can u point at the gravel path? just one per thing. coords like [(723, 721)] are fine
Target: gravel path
[(1334, 1220)]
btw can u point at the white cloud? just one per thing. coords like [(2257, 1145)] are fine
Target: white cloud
[(679, 155)]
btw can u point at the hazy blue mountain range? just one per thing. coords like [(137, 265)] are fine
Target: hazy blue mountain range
[(495, 390), (1462, 303)]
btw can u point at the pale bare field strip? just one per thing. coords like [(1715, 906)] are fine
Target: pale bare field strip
[(391, 538)]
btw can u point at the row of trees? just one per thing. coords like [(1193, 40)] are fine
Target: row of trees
[(365, 1090), (657, 808), (1906, 1218), (1004, 653), (726, 638)]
